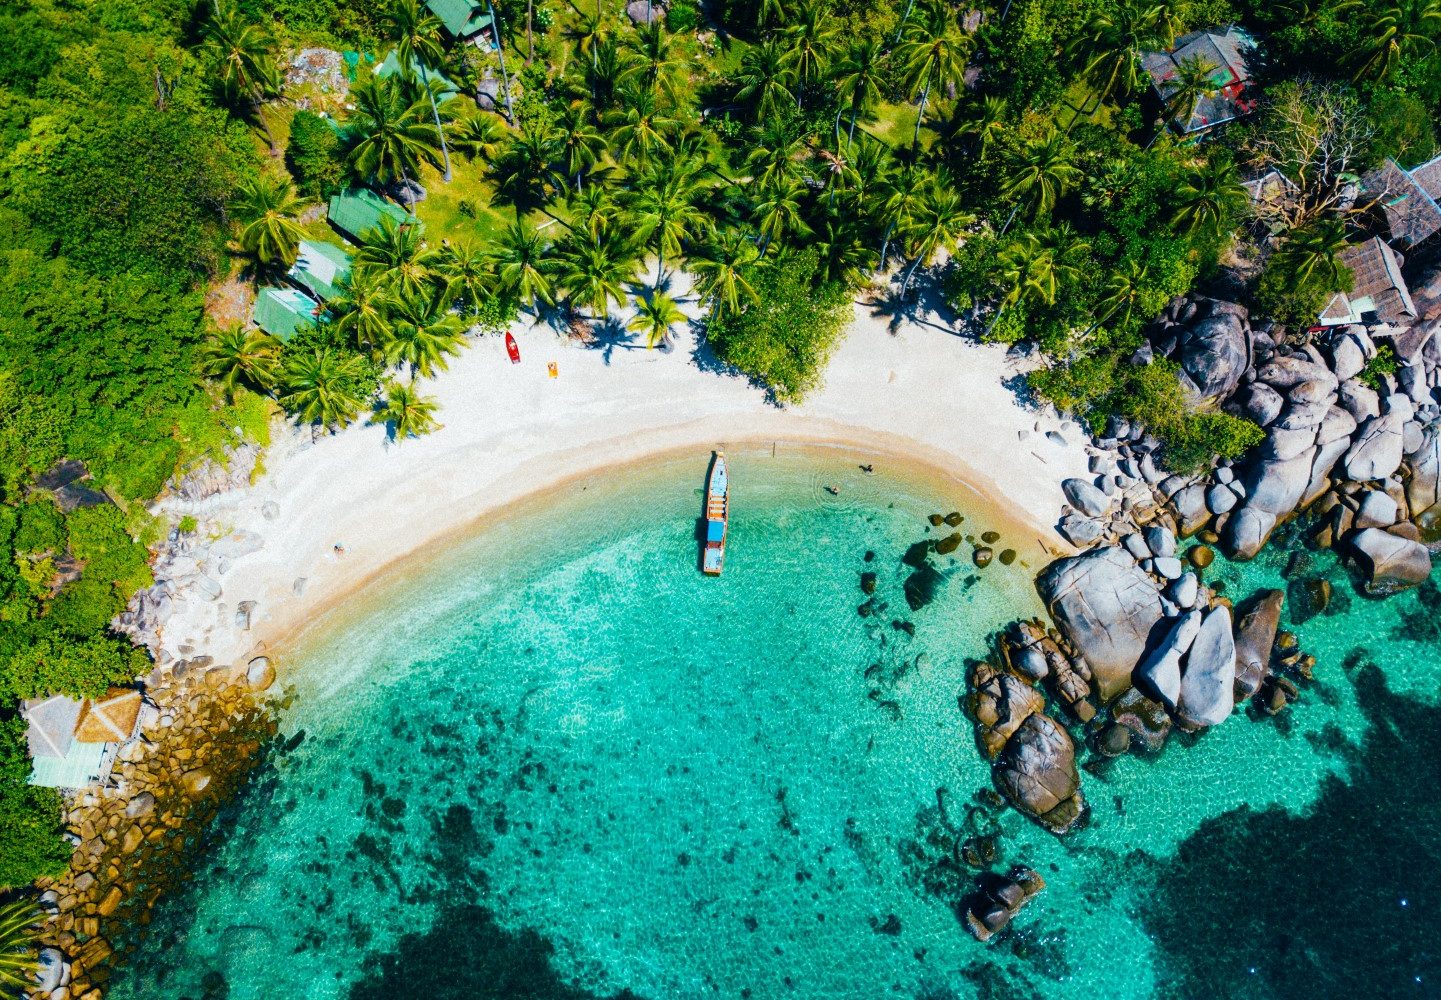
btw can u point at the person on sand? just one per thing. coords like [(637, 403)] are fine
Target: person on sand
[(868, 469), (339, 549), (833, 490)]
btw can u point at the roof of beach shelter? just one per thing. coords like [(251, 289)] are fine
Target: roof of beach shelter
[(1408, 198), (1378, 287), (1225, 51), (391, 66), (320, 268), (460, 17), (83, 765), (282, 311), (360, 210), (50, 728), (110, 719)]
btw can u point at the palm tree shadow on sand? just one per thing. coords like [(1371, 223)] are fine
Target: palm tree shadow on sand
[(922, 303)]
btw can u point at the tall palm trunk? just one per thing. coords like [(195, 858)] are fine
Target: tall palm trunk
[(435, 112), (886, 243), (921, 116), (529, 33), (904, 18), (500, 50), (851, 135)]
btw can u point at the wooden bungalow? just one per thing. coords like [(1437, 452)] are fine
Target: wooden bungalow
[(1379, 293), (1226, 53)]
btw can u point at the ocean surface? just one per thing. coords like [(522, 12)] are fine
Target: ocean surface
[(554, 761)]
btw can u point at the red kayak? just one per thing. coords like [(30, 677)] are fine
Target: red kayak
[(512, 348)]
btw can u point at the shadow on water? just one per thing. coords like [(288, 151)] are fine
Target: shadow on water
[(1344, 900)]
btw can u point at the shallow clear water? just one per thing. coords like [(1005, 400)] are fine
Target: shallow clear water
[(555, 761)]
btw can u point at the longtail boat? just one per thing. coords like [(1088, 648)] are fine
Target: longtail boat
[(717, 516)]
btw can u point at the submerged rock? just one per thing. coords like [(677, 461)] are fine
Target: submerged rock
[(998, 898), (924, 586)]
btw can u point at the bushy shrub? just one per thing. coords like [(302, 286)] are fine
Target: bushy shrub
[(314, 157), (683, 15)]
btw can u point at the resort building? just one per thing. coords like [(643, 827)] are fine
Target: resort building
[(462, 18), (1408, 199), (280, 312), (357, 211), (1225, 53), (320, 268), (72, 743), (1379, 294)]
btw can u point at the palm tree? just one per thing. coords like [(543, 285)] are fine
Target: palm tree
[(478, 135), (900, 192), (416, 32), (666, 214), (987, 125), (778, 211), (640, 130), (858, 82), (595, 209), (1044, 171), (1113, 39), (407, 412), (246, 56), (361, 311), (1195, 78), (771, 12), (809, 41), (468, 275), (397, 256), (604, 74), (653, 63), (1123, 292), (589, 32), (1315, 250), (933, 55), (20, 924), (527, 171), (840, 243), (322, 386), (1033, 270), (776, 150), (722, 269), (594, 270), (936, 224), (765, 78), (423, 332), (654, 317), (394, 135), (266, 210), (522, 269), (237, 356), (581, 143), (1210, 195), (1394, 32)]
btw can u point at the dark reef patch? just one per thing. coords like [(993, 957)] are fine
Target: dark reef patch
[(1344, 900)]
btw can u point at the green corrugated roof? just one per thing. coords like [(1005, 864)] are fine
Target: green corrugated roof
[(460, 17), (83, 765), (360, 210), (418, 69), (320, 268), (282, 311)]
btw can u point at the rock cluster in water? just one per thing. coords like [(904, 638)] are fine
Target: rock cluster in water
[(998, 898), (136, 835)]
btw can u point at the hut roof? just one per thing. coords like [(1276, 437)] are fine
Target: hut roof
[(50, 725), (320, 268), (419, 70), (359, 210), (283, 311), (1226, 52), (1379, 293), (110, 719), (1408, 199), (462, 18)]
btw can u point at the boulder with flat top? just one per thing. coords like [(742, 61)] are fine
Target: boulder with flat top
[(1037, 772)]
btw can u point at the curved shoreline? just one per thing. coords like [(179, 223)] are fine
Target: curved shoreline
[(923, 397)]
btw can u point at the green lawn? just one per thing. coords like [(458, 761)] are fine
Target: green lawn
[(895, 124), (462, 209)]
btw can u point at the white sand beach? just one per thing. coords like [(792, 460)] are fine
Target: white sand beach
[(511, 430)]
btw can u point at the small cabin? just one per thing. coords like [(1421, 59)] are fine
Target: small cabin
[(281, 312), (1226, 53), (1379, 293), (1409, 199), (357, 211), (73, 743), (320, 269), (418, 71), (462, 18)]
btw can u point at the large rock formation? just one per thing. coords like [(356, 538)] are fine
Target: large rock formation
[(1255, 635), (1210, 340), (1208, 680), (1106, 606), (1391, 561)]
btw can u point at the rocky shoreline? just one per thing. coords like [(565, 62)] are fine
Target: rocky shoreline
[(1139, 646)]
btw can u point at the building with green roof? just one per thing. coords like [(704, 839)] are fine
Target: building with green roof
[(462, 18), (320, 268), (282, 311), (359, 210), (391, 66)]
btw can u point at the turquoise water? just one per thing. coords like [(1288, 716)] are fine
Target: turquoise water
[(555, 761)]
